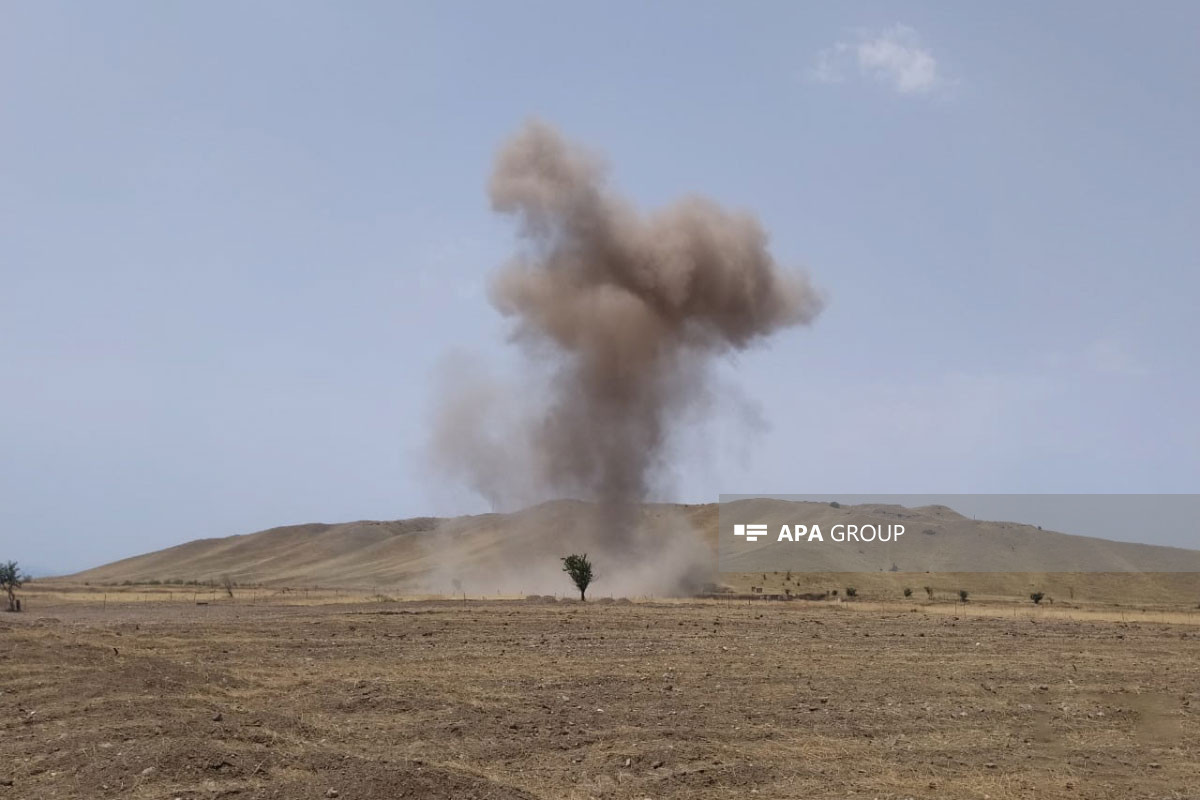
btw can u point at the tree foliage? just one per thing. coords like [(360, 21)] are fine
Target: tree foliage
[(580, 570), (11, 579)]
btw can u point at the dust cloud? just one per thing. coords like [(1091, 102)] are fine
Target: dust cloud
[(630, 311)]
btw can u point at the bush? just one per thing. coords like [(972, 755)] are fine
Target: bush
[(1036, 597), (929, 592), (907, 592), (851, 591), (963, 594)]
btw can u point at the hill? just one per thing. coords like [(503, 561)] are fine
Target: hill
[(518, 554)]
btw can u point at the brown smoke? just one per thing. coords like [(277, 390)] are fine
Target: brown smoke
[(631, 309), (637, 304)]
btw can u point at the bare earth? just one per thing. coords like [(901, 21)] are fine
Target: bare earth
[(516, 699)]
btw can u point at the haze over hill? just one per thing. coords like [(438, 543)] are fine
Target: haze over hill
[(938, 539), (519, 552)]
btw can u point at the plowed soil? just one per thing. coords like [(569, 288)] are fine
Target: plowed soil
[(609, 700)]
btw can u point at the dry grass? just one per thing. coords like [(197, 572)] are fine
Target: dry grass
[(440, 699)]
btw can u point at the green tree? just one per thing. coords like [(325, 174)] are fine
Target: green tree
[(11, 580), (580, 570)]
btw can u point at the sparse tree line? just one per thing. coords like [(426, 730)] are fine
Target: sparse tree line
[(930, 593), (964, 595), (224, 582), (209, 583)]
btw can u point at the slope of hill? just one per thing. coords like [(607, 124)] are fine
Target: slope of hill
[(937, 539), (519, 553)]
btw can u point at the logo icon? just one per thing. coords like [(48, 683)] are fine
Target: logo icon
[(751, 532)]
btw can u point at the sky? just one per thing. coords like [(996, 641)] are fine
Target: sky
[(238, 242)]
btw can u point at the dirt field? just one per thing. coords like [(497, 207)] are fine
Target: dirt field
[(520, 699)]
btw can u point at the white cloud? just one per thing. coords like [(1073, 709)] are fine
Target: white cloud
[(893, 57)]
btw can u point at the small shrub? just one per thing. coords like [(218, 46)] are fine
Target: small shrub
[(907, 592), (1036, 597), (963, 594), (851, 591), (929, 592)]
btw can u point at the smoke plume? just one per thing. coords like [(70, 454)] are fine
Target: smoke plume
[(630, 309)]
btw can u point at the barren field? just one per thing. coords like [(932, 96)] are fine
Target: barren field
[(542, 699)]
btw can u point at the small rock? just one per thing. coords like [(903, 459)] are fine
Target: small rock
[(657, 764), (149, 771), (331, 792)]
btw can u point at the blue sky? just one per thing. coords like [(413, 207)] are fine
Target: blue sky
[(237, 240)]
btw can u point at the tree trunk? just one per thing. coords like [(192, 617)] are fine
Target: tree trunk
[(581, 597)]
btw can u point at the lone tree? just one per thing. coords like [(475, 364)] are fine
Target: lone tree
[(963, 594), (580, 570), (1036, 597), (11, 580)]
